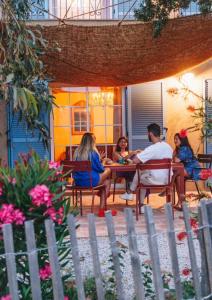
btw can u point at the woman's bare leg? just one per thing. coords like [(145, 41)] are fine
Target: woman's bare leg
[(105, 178), (178, 186)]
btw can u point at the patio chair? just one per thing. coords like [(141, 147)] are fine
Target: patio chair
[(116, 179), (206, 160), (81, 166), (156, 164)]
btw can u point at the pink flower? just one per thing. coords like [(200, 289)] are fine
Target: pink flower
[(183, 133), (6, 214), (9, 215), (12, 180), (186, 271), (41, 195), (19, 217), (45, 272), (7, 297), (66, 298), (55, 165), (55, 215), (181, 236), (1, 188)]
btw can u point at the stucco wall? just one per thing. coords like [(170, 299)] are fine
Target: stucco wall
[(3, 129), (175, 107)]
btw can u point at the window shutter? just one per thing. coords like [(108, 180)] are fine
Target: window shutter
[(21, 140), (208, 94), (145, 106)]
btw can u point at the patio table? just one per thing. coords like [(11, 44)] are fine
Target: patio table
[(176, 167)]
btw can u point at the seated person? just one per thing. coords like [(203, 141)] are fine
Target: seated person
[(159, 150), (87, 151), (121, 155), (184, 153)]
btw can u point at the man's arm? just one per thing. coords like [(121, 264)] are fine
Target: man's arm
[(136, 160)]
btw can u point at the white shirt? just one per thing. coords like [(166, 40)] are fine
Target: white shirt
[(158, 150)]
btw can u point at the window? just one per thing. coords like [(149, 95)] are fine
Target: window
[(79, 117), (98, 110)]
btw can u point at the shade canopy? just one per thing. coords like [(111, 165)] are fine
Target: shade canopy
[(112, 55)]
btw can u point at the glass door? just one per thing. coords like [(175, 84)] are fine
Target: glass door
[(97, 110)]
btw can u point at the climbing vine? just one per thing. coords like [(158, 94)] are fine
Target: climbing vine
[(159, 11), (22, 73)]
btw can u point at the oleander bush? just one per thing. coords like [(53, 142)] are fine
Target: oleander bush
[(33, 190)]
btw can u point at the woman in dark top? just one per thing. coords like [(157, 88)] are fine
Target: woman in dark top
[(100, 175), (122, 155)]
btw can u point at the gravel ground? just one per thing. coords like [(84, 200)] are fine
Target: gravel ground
[(122, 241)]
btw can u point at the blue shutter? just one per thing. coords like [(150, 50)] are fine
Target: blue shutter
[(21, 140), (208, 94), (145, 106)]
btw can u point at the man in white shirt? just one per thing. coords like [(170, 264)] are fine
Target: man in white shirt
[(158, 150)]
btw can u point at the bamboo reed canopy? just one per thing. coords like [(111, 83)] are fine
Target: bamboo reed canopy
[(112, 55)]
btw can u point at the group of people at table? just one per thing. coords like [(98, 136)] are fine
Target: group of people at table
[(101, 174)]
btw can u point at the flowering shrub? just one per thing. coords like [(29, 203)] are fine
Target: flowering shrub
[(168, 283), (33, 190)]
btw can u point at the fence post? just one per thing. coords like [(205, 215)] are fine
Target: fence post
[(206, 210), (115, 255), (54, 261), (95, 255), (135, 260), (205, 286), (153, 248), (194, 268), (33, 260), (75, 257), (173, 251), (10, 261)]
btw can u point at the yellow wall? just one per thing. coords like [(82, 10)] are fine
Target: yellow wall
[(175, 108)]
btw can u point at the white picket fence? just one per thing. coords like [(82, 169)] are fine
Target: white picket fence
[(205, 238)]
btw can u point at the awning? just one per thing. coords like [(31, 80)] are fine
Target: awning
[(112, 55)]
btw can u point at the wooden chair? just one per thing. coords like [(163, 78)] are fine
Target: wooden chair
[(156, 164), (81, 166), (206, 160)]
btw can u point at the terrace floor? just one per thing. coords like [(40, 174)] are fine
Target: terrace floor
[(156, 203)]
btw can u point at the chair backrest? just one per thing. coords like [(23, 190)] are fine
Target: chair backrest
[(156, 164), (70, 167), (205, 159), (76, 166)]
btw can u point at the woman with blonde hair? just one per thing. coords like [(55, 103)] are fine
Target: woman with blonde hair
[(100, 175)]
